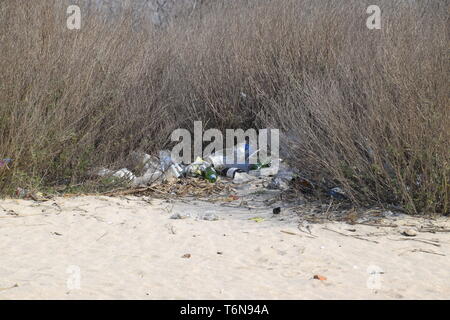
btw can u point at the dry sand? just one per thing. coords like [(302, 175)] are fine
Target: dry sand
[(95, 247)]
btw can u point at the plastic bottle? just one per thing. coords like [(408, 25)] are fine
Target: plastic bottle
[(165, 160), (237, 157)]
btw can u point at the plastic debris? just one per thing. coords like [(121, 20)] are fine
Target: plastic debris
[(278, 183), (150, 176), (142, 162), (337, 193), (22, 193), (217, 161), (241, 156), (173, 172), (409, 233), (5, 162), (124, 173), (264, 172), (282, 178), (242, 177), (179, 216), (104, 172), (209, 217), (165, 159), (196, 168)]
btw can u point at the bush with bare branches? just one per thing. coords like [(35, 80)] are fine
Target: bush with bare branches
[(363, 109)]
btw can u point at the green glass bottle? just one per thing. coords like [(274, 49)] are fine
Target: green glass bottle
[(210, 174), (259, 166)]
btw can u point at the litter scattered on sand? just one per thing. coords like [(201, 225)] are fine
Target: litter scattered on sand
[(127, 243)]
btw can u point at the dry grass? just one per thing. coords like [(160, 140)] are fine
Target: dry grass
[(366, 110)]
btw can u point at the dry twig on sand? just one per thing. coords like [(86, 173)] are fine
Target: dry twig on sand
[(14, 286), (431, 242), (350, 235)]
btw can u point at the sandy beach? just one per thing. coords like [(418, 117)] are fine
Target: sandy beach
[(97, 247)]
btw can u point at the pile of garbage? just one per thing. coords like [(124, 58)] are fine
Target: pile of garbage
[(219, 166), (211, 169)]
